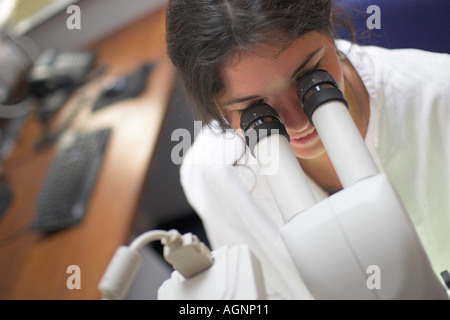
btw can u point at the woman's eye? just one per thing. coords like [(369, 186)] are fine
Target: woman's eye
[(316, 67), (240, 111)]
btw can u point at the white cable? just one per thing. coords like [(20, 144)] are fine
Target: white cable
[(155, 235)]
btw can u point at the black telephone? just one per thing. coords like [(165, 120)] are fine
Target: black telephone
[(55, 70), (55, 75)]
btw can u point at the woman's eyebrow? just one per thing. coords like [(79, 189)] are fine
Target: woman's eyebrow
[(303, 65)]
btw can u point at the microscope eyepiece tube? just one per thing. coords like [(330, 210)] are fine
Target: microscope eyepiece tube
[(315, 88), (268, 141), (327, 111)]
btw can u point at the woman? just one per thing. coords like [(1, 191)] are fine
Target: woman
[(233, 53)]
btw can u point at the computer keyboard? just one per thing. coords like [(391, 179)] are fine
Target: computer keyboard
[(68, 184)]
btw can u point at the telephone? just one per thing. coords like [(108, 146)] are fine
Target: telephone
[(55, 70)]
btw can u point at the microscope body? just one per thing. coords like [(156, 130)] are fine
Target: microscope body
[(360, 244)]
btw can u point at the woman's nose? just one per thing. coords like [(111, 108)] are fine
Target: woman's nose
[(291, 111)]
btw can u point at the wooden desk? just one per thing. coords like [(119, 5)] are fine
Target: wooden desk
[(33, 266)]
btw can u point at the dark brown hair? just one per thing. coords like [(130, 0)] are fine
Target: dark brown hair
[(202, 34)]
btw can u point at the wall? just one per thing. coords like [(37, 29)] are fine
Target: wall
[(98, 19)]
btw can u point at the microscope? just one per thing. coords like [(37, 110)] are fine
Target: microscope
[(359, 243)]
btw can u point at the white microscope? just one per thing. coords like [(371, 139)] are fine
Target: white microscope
[(333, 243)]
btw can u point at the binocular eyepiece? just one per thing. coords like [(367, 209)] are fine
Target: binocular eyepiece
[(314, 88)]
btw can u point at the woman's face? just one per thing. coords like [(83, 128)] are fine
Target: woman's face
[(260, 75)]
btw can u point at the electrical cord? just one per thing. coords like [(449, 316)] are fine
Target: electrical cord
[(154, 235), (185, 253)]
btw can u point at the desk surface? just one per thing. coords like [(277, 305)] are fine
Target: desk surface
[(33, 266)]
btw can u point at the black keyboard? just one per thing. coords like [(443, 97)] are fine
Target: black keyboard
[(69, 182)]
